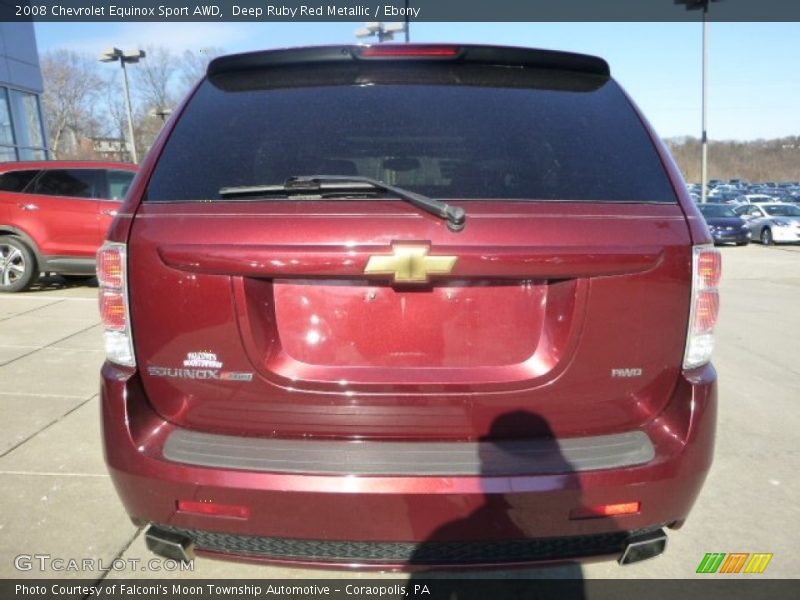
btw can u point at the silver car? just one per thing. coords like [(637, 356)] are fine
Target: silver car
[(772, 223), (753, 199)]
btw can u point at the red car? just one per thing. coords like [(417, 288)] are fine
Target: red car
[(419, 305), (54, 215)]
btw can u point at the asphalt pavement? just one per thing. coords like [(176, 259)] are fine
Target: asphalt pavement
[(57, 499)]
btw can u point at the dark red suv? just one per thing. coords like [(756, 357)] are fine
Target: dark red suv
[(54, 215), (423, 304)]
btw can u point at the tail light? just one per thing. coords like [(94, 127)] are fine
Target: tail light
[(410, 51), (706, 272), (114, 312)]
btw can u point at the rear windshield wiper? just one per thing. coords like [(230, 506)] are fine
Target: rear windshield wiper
[(454, 215)]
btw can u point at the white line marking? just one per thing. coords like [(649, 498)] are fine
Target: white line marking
[(31, 394), (49, 474), (64, 298)]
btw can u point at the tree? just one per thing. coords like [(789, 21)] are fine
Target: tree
[(153, 78), (81, 101), (71, 88), (754, 161), (116, 115), (193, 65)]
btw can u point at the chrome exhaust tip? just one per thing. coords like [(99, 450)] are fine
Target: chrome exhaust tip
[(643, 546), (169, 545)]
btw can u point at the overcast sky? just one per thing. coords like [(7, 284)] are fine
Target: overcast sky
[(754, 84)]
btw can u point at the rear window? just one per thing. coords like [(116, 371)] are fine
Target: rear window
[(717, 211), (447, 132), (783, 211)]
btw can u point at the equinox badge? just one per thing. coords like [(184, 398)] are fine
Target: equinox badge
[(410, 263)]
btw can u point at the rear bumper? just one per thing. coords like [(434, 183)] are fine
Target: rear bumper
[(786, 235), (393, 520), (739, 237)]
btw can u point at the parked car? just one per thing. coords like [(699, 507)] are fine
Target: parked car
[(773, 223), (54, 216), (725, 225), (727, 197), (409, 304), (754, 199)]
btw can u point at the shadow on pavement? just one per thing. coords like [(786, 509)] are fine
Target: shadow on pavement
[(62, 282), (511, 519)]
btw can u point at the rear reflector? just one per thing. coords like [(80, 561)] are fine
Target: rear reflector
[(113, 313), (606, 510), (213, 509), (410, 51), (704, 309), (707, 311)]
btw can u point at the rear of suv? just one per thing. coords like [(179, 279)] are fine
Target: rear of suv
[(422, 305), (54, 216)]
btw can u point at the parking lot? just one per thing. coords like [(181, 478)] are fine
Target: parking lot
[(58, 500)]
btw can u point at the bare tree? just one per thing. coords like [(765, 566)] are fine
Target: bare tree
[(153, 78), (755, 161), (148, 127), (81, 102), (116, 116), (193, 65), (71, 87)]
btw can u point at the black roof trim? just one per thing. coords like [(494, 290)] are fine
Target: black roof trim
[(488, 55)]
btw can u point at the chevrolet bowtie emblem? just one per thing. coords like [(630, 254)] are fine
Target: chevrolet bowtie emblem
[(410, 263)]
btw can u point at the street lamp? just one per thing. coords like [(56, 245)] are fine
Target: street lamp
[(162, 113), (702, 5), (383, 32), (127, 56)]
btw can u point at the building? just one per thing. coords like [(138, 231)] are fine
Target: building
[(22, 134), (105, 148)]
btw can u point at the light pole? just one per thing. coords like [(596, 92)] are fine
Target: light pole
[(127, 56), (383, 32), (704, 110), (702, 5), (407, 28)]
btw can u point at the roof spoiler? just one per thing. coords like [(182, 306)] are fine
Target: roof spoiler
[(460, 53)]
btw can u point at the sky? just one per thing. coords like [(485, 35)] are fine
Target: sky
[(754, 77)]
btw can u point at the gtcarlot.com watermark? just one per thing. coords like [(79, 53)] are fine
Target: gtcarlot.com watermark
[(47, 562)]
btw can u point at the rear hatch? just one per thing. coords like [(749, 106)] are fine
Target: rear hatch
[(353, 313)]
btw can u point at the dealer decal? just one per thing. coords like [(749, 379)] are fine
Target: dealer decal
[(202, 359), (200, 365)]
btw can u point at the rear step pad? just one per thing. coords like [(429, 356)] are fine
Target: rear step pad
[(509, 457)]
